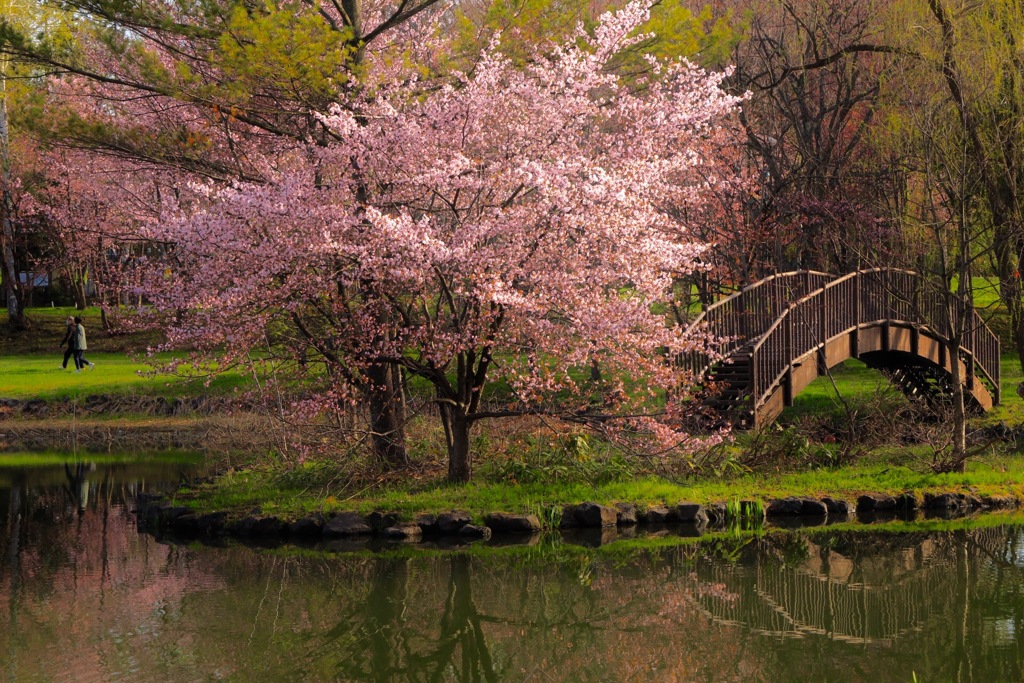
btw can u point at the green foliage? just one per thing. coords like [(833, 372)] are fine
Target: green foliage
[(703, 37), (525, 25), (550, 516), (778, 447), (307, 475), (744, 515), (727, 548), (793, 548), (276, 48)]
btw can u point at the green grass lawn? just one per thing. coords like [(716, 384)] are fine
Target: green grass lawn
[(16, 460), (30, 362), (40, 376), (857, 382)]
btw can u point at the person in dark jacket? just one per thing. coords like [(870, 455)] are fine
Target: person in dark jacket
[(81, 346), (70, 339)]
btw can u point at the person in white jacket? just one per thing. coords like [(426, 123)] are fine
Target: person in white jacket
[(81, 346)]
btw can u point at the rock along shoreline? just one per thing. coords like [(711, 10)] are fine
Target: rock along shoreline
[(587, 523)]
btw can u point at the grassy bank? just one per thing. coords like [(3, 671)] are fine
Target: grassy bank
[(47, 328), (57, 458), (241, 437), (310, 488)]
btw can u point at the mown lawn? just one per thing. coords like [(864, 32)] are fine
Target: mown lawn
[(857, 382), (40, 376), (30, 362)]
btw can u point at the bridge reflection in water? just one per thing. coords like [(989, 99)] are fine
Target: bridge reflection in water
[(828, 594), (779, 334)]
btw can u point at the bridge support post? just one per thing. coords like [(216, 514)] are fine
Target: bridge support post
[(855, 337), (753, 388), (787, 382), (823, 334)]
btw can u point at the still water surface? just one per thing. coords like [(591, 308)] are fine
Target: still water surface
[(85, 597)]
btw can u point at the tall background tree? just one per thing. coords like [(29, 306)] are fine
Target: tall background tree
[(970, 54), (813, 70)]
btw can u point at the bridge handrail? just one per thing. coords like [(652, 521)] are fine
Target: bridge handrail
[(854, 307), (745, 315)]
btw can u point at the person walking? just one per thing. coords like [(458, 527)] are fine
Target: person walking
[(70, 339), (81, 346)]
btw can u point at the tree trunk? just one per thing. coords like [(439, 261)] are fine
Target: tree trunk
[(958, 460), (1007, 262), (384, 617), (456, 432), (387, 416), (15, 312), (78, 287), (1011, 294)]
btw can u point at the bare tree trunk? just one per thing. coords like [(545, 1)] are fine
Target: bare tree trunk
[(1007, 259), (15, 312), (958, 438), (78, 289)]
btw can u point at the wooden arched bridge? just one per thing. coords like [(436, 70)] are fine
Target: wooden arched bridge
[(780, 333)]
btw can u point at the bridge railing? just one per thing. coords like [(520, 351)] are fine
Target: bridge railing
[(980, 343), (740, 318), (869, 296)]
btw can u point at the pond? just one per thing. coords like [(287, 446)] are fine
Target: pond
[(85, 597)]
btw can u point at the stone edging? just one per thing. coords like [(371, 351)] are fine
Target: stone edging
[(156, 514)]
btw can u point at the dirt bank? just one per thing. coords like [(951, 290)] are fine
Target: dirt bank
[(239, 432)]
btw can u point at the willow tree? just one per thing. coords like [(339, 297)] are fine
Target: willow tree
[(969, 54)]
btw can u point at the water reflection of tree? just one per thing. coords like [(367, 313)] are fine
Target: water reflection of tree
[(75, 569), (9, 584), (498, 620), (388, 647), (573, 617), (956, 598)]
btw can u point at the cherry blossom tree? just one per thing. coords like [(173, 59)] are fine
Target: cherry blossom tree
[(211, 89), (88, 209), (510, 224)]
